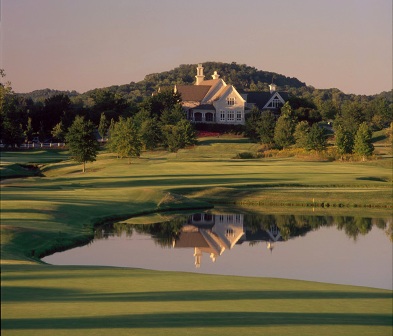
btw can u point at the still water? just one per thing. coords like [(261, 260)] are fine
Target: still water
[(341, 250)]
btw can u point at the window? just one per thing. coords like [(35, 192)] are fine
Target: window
[(208, 217), (222, 115), (197, 217), (209, 116), (275, 103), (231, 116), (231, 101), (229, 233), (197, 116), (239, 116)]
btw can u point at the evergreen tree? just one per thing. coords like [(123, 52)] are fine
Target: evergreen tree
[(29, 129), (265, 127), (252, 120), (81, 141), (283, 132), (363, 146), (103, 126)]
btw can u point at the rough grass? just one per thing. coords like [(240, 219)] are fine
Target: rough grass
[(43, 214)]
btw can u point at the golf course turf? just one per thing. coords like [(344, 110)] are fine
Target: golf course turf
[(60, 209)]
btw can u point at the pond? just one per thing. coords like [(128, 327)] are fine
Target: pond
[(333, 249)]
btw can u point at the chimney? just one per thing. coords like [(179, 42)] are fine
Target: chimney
[(200, 76), (272, 88), (215, 75)]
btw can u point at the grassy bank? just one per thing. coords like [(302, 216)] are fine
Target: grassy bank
[(40, 214)]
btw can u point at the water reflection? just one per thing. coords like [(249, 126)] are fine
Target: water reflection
[(211, 234)]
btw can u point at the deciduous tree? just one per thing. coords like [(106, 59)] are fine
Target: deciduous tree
[(125, 140), (316, 138), (301, 133), (150, 133), (285, 127), (344, 140), (81, 141), (363, 146)]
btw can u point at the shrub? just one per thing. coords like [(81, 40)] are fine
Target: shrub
[(245, 155)]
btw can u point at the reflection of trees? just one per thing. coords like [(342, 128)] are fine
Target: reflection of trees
[(116, 229), (353, 226), (163, 233), (299, 225), (386, 225), (289, 226)]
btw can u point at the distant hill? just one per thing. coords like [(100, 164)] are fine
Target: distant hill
[(41, 95), (243, 77)]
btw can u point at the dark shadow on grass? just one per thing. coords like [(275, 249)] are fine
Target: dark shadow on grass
[(44, 294), (198, 319), (222, 141), (372, 178)]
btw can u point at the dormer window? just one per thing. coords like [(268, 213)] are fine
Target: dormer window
[(231, 101), (275, 103)]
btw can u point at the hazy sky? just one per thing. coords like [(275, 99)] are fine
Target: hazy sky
[(84, 44)]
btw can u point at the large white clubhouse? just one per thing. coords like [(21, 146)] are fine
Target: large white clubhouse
[(214, 101)]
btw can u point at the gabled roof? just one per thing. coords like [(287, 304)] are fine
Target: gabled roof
[(260, 99), (193, 92), (191, 239), (210, 82)]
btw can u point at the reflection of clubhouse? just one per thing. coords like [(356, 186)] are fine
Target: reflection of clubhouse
[(213, 234)]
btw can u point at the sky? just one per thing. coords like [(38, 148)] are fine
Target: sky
[(85, 44)]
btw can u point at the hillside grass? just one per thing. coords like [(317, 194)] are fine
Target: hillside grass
[(41, 214)]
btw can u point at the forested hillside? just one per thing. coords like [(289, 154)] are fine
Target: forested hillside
[(243, 77)]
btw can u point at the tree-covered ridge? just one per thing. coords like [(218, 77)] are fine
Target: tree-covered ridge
[(41, 95), (243, 77)]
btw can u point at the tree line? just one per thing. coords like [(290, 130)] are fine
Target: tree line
[(302, 124), (159, 123), (158, 120)]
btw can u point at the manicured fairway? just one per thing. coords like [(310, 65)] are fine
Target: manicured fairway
[(49, 300), (60, 209)]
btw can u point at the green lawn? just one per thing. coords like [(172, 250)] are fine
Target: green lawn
[(52, 300), (60, 209)]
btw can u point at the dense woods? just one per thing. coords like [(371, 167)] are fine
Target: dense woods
[(157, 118)]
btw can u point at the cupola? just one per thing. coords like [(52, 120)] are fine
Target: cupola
[(215, 75), (272, 87), (200, 76)]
